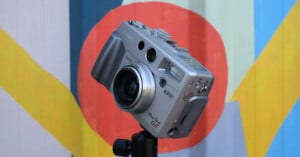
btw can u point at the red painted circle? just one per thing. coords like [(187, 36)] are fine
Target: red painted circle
[(190, 31)]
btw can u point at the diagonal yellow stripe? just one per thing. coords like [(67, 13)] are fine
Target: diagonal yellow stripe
[(271, 86), (47, 100)]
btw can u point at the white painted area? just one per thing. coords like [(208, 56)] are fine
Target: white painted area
[(22, 136), (41, 27), (234, 20)]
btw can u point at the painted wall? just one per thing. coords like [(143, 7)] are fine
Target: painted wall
[(34, 39), (50, 105)]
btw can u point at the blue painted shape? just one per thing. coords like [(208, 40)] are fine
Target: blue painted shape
[(268, 15), (225, 140), (83, 16), (287, 141), (93, 11)]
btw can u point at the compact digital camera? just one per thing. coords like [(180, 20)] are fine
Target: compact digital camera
[(154, 79)]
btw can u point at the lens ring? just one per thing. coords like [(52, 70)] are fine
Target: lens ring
[(134, 88)]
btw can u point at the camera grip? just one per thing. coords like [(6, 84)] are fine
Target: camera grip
[(108, 61)]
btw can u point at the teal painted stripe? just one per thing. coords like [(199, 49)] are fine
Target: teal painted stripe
[(268, 15), (287, 141)]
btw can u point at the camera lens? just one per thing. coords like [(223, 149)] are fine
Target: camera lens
[(134, 88), (126, 87), (151, 55)]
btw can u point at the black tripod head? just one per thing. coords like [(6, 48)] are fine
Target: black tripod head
[(142, 144)]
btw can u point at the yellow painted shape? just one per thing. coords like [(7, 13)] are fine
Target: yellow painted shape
[(47, 100), (271, 87)]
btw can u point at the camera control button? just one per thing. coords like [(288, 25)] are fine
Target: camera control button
[(197, 84), (203, 90), (161, 34), (172, 132), (137, 24)]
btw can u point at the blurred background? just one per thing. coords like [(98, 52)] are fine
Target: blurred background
[(50, 105)]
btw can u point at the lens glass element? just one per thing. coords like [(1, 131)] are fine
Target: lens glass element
[(126, 87)]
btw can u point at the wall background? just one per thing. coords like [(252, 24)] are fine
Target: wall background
[(50, 107), (39, 30)]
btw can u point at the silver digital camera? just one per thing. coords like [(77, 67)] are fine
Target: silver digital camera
[(154, 79)]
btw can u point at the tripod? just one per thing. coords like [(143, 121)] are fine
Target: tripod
[(142, 144)]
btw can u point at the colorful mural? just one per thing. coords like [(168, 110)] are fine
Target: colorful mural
[(50, 105)]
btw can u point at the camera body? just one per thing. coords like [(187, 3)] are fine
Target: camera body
[(154, 79)]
